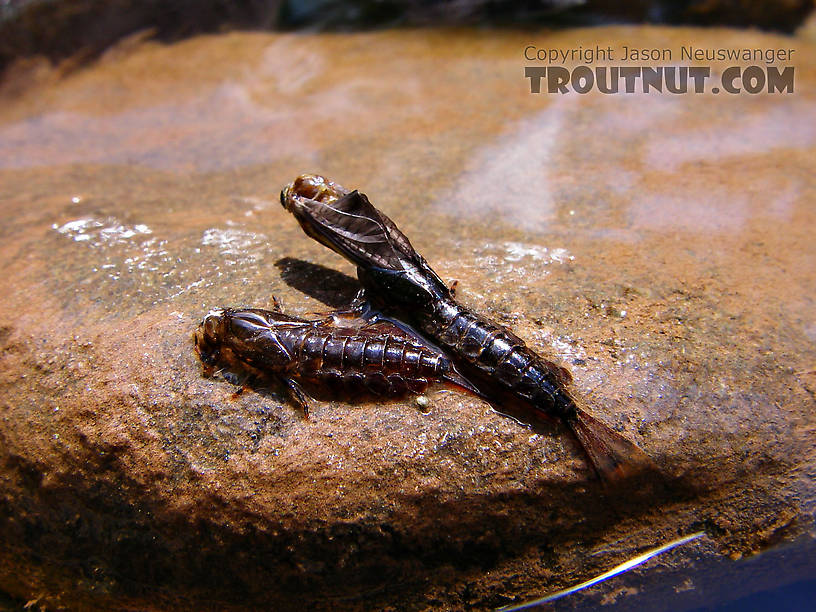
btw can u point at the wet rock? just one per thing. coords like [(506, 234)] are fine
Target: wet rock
[(661, 245)]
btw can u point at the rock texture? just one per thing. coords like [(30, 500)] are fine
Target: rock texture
[(661, 246)]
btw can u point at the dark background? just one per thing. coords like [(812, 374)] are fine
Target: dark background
[(81, 29)]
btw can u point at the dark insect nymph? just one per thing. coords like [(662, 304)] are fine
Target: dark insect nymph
[(399, 281), (345, 354)]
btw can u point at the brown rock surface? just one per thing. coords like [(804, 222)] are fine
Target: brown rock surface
[(662, 246)]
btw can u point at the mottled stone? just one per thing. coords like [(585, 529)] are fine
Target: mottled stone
[(661, 246)]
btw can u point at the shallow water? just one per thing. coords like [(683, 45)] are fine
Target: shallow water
[(661, 246)]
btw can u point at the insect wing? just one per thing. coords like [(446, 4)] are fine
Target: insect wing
[(358, 231)]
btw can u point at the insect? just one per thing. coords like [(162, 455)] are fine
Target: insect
[(340, 352), (399, 280)]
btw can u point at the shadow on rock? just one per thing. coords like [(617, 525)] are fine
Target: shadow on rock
[(331, 287), (128, 545)]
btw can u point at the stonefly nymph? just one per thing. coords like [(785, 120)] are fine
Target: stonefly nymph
[(399, 281), (342, 353)]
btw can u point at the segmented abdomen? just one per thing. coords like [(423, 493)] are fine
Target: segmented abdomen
[(499, 355), (381, 364)]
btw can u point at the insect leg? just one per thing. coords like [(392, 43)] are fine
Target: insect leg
[(356, 315), (360, 303), (359, 308), (276, 305), (296, 395)]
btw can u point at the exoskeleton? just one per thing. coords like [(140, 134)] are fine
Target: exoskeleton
[(342, 353), (398, 280)]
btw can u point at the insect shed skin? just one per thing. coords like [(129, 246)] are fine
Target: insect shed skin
[(398, 279), (343, 354)]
